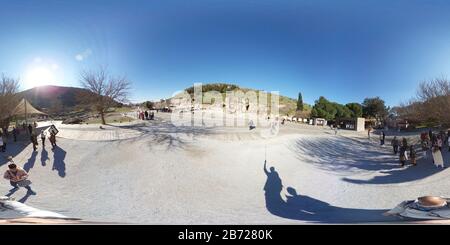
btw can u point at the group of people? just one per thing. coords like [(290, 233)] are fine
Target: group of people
[(32, 131), (402, 149), (146, 115), (431, 143), (435, 143)]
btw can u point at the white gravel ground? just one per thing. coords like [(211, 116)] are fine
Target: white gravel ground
[(174, 175)]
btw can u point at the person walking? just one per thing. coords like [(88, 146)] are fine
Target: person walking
[(412, 155), (43, 136), (33, 139), (17, 177), (52, 139), (395, 144), (368, 132)]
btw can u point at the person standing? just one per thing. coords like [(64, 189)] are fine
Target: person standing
[(448, 139), (43, 136), (439, 142), (437, 157), (2, 144), (146, 115), (4, 141), (30, 129), (382, 138), (412, 155), (402, 155), (405, 143), (430, 134), (395, 144), (368, 132), (14, 132)]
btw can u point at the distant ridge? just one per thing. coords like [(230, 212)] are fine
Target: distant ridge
[(54, 99)]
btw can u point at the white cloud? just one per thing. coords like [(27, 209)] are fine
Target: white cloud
[(83, 55)]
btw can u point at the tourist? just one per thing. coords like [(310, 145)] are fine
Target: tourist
[(412, 155), (5, 140), (405, 143), (17, 177), (251, 125), (5, 132), (430, 134), (146, 115), (448, 137), (395, 144), (335, 129), (2, 144), (382, 138), (33, 138), (403, 155), (437, 157), (439, 142), (152, 116), (43, 136), (368, 132), (30, 129), (52, 139), (15, 132)]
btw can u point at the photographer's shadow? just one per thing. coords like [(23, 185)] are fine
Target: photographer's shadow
[(305, 208)]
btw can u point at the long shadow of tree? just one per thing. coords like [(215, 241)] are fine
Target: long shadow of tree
[(346, 156), (305, 208), (168, 135)]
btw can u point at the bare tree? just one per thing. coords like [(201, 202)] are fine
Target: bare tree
[(434, 99), (105, 91), (8, 98), (431, 104)]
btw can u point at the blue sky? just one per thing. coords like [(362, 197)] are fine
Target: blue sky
[(343, 50)]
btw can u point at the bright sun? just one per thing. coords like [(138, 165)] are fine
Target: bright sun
[(39, 76)]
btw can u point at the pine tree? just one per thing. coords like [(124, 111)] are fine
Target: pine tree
[(300, 102)]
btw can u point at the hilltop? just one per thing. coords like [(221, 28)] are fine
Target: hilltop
[(287, 105)]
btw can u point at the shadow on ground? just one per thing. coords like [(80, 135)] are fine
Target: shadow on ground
[(305, 208), (167, 135), (58, 161), (347, 156)]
